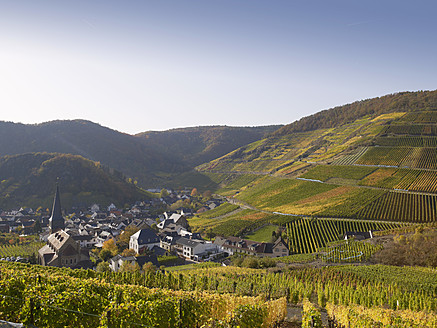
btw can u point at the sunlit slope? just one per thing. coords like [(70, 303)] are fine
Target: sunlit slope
[(375, 168), (286, 154)]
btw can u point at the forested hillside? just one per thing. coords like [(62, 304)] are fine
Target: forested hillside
[(334, 117), (29, 180), (154, 159), (197, 145)]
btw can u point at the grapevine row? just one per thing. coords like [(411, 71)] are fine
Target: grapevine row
[(307, 235)]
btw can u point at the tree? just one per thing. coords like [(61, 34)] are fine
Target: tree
[(103, 267), (129, 267), (105, 254), (123, 239), (194, 192), (110, 246), (210, 234), (163, 193), (149, 268), (176, 205), (37, 227), (128, 252), (207, 195)]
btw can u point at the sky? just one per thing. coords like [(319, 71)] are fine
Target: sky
[(145, 65)]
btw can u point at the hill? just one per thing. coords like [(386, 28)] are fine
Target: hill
[(377, 164), (197, 145), (120, 151), (153, 159), (330, 118), (29, 180)]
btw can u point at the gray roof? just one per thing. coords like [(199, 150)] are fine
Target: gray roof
[(57, 220), (187, 242), (145, 236)]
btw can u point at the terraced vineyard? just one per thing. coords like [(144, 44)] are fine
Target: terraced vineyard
[(308, 235), (352, 158), (409, 129), (377, 167), (402, 207), (413, 180), (407, 141)]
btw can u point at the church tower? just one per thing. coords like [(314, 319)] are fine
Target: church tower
[(56, 221)]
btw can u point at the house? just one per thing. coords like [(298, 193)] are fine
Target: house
[(192, 249), (117, 261), (358, 235), (169, 242), (177, 219), (142, 239), (233, 245)]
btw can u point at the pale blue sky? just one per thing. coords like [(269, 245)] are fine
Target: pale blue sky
[(153, 65)]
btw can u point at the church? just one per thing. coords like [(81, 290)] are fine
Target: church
[(61, 250)]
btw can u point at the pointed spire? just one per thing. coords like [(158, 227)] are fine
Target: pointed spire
[(56, 220)]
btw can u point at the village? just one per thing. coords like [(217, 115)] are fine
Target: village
[(129, 239)]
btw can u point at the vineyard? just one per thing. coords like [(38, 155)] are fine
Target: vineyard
[(420, 117), (360, 316), (407, 141), (54, 299), (410, 129), (194, 297), (349, 251), (20, 250), (401, 207), (405, 179), (409, 157), (326, 172), (310, 235), (352, 158)]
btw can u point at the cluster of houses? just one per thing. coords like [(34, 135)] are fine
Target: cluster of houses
[(68, 241), (95, 219)]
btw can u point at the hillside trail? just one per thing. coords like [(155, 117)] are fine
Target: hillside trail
[(337, 183), (244, 205), (228, 214)]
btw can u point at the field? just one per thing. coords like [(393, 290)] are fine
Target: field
[(326, 172), (220, 210), (407, 141), (349, 251), (236, 224), (274, 193), (308, 235), (89, 299), (401, 207), (25, 250), (410, 129), (405, 179), (262, 235)]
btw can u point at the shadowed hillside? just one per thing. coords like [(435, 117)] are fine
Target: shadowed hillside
[(154, 159), (197, 145), (29, 179)]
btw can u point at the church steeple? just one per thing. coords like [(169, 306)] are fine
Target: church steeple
[(56, 220)]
